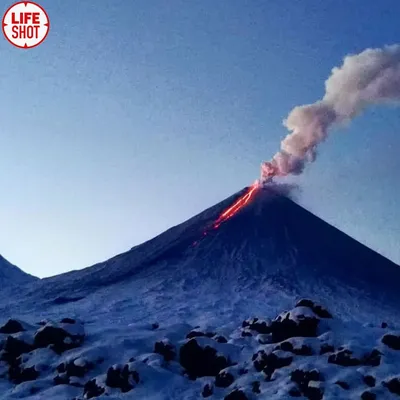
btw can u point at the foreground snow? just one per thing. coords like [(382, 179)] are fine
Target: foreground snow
[(302, 352)]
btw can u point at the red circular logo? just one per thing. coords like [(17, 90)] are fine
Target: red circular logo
[(26, 24)]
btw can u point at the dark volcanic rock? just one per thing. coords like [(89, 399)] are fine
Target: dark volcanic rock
[(91, 389), (303, 378), (343, 385), (195, 333), (199, 361), (268, 363), (255, 387), (60, 337), (237, 394), (68, 321), (367, 395), (369, 380), (344, 358), (78, 367), (326, 348), (316, 308), (372, 359), (13, 348), (220, 339), (294, 392), (304, 350), (207, 390), (18, 374), (392, 341), (393, 385), (299, 322), (224, 379), (12, 326), (166, 349), (314, 393), (257, 325), (122, 378)]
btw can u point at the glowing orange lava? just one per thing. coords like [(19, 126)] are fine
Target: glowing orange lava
[(231, 211), (239, 204)]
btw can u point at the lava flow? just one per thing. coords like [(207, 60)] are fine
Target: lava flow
[(239, 204), (232, 210)]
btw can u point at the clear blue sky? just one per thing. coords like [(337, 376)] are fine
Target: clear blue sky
[(133, 116)]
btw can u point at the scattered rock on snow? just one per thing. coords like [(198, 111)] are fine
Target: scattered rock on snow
[(344, 358), (14, 347), (255, 387), (61, 337), (224, 379), (392, 341), (92, 389), (237, 394), (199, 361), (320, 311), (220, 339), (393, 385), (268, 363), (166, 349), (257, 325), (343, 385), (78, 367), (369, 380), (301, 321), (18, 374), (208, 390), (368, 395), (197, 333), (12, 326), (123, 378)]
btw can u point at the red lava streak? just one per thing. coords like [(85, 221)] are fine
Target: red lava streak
[(239, 204)]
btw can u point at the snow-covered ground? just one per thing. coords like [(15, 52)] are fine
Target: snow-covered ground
[(257, 264)]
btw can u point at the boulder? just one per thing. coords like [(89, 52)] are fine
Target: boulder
[(199, 361), (12, 326), (344, 358), (122, 378), (369, 380), (60, 337), (257, 325), (18, 374), (318, 310), (92, 389), (392, 341), (166, 349), (393, 385), (255, 387), (299, 322), (367, 395), (268, 363), (224, 379), (208, 390)]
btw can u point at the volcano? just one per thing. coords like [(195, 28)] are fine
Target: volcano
[(271, 244), (169, 319)]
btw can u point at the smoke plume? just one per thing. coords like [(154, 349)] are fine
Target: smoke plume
[(371, 77)]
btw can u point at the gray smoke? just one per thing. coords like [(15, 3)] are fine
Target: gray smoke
[(371, 77)]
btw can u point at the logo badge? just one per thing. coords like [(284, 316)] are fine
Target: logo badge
[(26, 24)]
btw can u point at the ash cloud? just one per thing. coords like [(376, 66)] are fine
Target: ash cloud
[(368, 78)]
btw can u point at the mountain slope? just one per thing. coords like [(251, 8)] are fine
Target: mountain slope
[(272, 243), (12, 275)]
